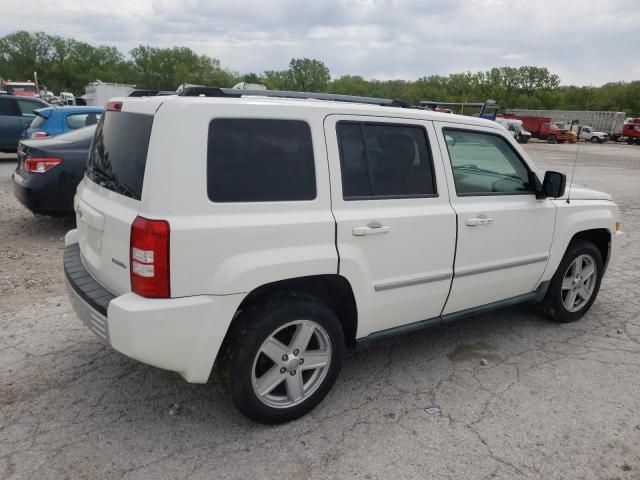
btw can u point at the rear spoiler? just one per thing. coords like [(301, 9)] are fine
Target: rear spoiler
[(43, 112)]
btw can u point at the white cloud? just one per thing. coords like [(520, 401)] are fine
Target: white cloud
[(584, 42)]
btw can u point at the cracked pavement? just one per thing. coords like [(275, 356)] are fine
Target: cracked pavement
[(552, 402)]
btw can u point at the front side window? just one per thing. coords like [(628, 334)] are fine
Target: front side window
[(485, 164), (79, 120), (384, 160), (260, 160)]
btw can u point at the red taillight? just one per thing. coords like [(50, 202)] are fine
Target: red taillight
[(40, 165), (114, 106), (39, 134), (149, 258)]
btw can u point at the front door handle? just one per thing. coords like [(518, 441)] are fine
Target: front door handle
[(372, 229), (481, 220)]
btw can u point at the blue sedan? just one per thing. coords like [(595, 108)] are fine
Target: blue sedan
[(53, 121)]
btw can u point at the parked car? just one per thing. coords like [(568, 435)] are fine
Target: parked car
[(593, 136), (53, 121), (514, 127), (266, 235), (49, 170), (15, 114)]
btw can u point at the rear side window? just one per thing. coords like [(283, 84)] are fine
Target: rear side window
[(118, 154), (384, 160), (259, 160), (79, 120), (27, 107)]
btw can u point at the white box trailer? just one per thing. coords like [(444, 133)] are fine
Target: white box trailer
[(99, 93), (607, 122)]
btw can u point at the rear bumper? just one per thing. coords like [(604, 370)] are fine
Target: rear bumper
[(178, 334), (43, 194)]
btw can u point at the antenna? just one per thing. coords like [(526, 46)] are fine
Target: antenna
[(573, 171)]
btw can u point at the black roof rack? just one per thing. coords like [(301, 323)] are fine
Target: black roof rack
[(197, 91), (150, 93)]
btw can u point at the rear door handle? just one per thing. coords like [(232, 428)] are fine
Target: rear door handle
[(481, 220), (372, 229)]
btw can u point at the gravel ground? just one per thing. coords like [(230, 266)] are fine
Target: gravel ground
[(519, 397)]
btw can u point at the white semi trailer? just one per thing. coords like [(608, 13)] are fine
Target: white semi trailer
[(99, 93), (608, 122)]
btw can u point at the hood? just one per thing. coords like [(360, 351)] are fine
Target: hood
[(578, 192)]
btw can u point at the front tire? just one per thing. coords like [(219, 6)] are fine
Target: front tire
[(575, 285), (286, 357), (551, 139)]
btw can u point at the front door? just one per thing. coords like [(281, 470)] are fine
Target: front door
[(504, 232), (395, 227)]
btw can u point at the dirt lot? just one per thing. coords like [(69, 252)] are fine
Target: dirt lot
[(553, 401)]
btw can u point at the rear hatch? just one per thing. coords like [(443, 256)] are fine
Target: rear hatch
[(108, 198)]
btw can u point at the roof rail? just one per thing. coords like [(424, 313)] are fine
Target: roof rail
[(197, 91), (150, 93)]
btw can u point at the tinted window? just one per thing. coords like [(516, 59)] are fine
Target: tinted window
[(251, 160), (384, 160), (79, 120), (483, 163), (27, 107), (118, 154), (6, 106)]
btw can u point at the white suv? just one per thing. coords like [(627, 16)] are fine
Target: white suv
[(266, 235)]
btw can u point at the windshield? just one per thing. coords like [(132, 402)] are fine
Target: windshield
[(21, 88), (118, 154), (37, 122)]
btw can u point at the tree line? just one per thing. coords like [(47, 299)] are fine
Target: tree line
[(66, 64)]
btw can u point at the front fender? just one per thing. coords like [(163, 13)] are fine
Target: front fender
[(573, 218)]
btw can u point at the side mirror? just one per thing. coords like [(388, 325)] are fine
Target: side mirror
[(553, 185)]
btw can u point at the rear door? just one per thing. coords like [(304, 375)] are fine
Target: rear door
[(395, 227), (504, 232), (10, 123), (108, 199)]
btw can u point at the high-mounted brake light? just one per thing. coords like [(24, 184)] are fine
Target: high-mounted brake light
[(39, 135), (40, 165), (114, 106), (149, 258)]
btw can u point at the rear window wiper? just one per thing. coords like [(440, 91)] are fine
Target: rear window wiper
[(108, 182)]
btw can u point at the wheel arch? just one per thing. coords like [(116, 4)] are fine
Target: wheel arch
[(600, 237), (332, 289)]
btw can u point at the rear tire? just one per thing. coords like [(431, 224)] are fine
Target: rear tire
[(575, 285), (271, 360)]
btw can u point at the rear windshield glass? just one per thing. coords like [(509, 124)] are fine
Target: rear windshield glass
[(38, 122), (118, 154)]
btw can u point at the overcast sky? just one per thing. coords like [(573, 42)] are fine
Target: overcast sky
[(586, 42)]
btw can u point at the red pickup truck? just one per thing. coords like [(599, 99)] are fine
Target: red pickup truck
[(23, 89), (631, 131), (542, 127)]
